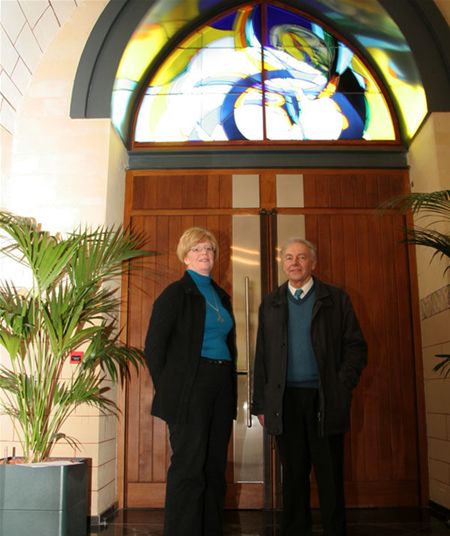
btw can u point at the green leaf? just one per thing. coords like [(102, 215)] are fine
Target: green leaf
[(444, 366), (434, 206)]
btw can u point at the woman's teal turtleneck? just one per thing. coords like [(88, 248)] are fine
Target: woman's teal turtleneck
[(218, 322)]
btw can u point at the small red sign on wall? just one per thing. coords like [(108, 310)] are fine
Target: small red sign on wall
[(76, 357)]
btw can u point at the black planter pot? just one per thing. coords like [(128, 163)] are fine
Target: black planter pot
[(46, 499)]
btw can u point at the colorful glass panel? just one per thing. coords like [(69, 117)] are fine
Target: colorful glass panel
[(236, 79), (198, 92), (367, 22)]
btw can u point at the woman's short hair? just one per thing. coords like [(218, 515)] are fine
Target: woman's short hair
[(193, 236), (298, 240)]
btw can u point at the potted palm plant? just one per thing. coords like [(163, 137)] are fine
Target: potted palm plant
[(71, 305), (433, 209)]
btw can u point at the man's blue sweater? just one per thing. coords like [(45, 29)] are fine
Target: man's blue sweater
[(302, 365)]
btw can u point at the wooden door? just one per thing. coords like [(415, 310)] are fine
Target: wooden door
[(363, 252), (358, 249), (163, 206)]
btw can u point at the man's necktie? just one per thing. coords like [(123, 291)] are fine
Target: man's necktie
[(298, 292)]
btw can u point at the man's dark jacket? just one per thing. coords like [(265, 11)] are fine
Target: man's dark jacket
[(173, 346), (339, 347)]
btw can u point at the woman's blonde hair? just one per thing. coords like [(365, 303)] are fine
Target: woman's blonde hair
[(193, 236)]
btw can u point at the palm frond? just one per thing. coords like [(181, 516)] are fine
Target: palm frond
[(45, 254), (16, 319), (73, 303), (444, 366), (433, 239), (101, 254), (419, 202), (436, 207), (106, 350)]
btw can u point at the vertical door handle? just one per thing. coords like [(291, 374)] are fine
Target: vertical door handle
[(247, 349)]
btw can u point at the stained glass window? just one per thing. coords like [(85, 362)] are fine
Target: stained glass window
[(262, 72), (373, 32)]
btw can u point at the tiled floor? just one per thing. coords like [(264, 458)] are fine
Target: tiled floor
[(361, 522)]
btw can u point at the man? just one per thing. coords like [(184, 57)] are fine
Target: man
[(310, 352)]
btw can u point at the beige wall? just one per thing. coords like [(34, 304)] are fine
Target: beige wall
[(429, 158), (65, 172)]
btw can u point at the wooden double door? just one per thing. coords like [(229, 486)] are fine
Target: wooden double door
[(251, 212)]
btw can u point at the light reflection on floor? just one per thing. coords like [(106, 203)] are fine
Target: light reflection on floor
[(361, 522)]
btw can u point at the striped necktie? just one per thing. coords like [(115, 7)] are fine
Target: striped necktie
[(298, 292)]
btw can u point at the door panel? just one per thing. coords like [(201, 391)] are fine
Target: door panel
[(358, 250), (248, 461), (147, 446)]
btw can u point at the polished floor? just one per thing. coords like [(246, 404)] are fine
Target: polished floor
[(361, 522)]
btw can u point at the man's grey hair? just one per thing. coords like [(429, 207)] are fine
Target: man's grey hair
[(298, 240)]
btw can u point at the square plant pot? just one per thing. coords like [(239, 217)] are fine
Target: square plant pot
[(44, 499)]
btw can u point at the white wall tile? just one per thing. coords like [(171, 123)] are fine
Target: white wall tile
[(104, 499), (7, 115), (21, 76), (28, 48), (34, 9), (9, 90), (6, 140), (12, 18), (63, 9), (8, 54), (46, 28)]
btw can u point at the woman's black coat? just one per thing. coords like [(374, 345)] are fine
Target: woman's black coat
[(173, 346), (339, 348)]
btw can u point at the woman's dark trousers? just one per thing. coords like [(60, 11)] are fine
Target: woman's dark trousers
[(195, 493)]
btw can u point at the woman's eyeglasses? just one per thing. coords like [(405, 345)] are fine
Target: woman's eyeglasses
[(200, 249)]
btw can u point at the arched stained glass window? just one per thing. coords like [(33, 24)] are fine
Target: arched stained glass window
[(262, 73)]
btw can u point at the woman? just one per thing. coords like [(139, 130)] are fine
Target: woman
[(190, 351)]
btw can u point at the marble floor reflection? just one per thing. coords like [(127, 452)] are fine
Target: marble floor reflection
[(361, 522)]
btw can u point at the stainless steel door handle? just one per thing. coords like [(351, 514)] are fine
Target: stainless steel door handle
[(247, 348)]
